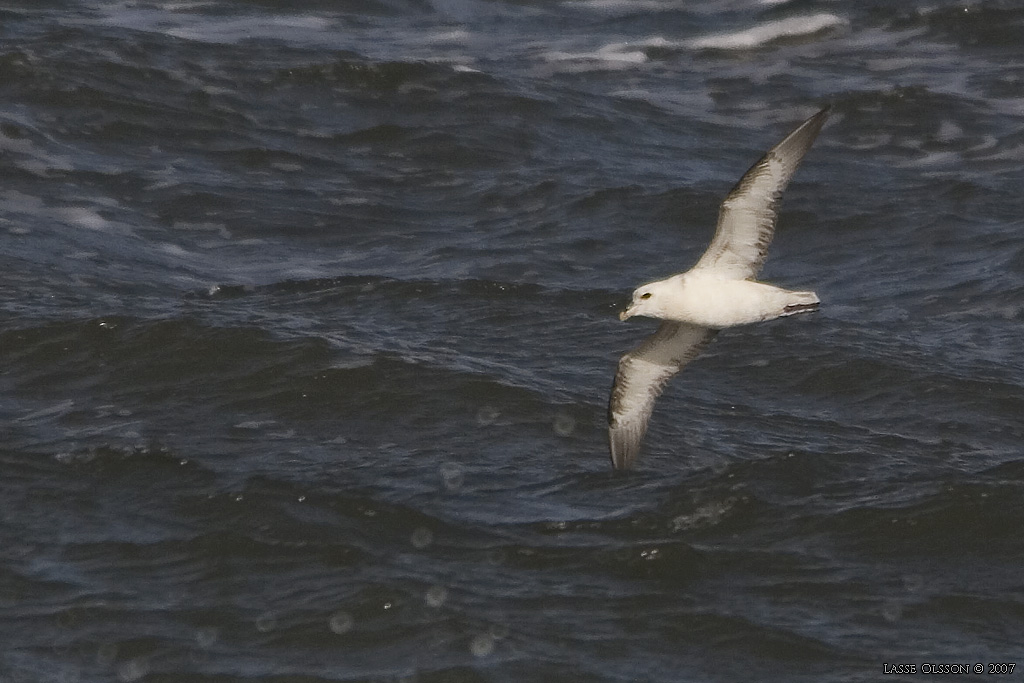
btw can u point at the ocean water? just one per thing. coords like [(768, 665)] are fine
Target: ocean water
[(308, 323)]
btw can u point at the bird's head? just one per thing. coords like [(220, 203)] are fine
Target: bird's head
[(648, 300)]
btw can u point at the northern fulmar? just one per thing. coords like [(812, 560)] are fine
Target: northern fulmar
[(718, 292)]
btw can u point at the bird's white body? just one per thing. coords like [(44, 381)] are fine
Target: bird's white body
[(718, 292), (706, 298)]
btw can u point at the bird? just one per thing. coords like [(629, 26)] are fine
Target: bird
[(719, 291)]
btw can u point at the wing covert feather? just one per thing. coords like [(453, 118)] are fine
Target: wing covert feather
[(746, 219)]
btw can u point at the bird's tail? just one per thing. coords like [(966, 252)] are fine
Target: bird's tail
[(801, 302)]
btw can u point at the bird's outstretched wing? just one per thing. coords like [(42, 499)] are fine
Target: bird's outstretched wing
[(746, 220), (641, 376)]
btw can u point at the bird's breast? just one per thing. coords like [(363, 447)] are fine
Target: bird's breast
[(717, 302)]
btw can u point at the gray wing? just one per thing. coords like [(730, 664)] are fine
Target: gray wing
[(641, 376), (746, 220)]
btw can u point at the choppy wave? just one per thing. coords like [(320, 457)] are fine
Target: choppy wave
[(307, 324)]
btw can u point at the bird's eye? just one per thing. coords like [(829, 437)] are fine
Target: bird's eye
[(645, 295)]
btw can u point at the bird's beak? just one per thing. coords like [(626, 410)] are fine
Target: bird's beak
[(628, 313)]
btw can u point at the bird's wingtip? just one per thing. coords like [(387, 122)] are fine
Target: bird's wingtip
[(623, 450), (818, 119), (822, 114)]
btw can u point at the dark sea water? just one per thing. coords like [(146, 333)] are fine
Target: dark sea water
[(308, 322)]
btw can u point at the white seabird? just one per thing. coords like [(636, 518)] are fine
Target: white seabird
[(718, 292)]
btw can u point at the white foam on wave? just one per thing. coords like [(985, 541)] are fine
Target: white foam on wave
[(653, 41), (609, 56), (621, 6), (187, 6), (1013, 154), (83, 217), (949, 131), (766, 33), (626, 54), (456, 36), (933, 159), (236, 30), (613, 55), (72, 215), (616, 7), (190, 21)]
